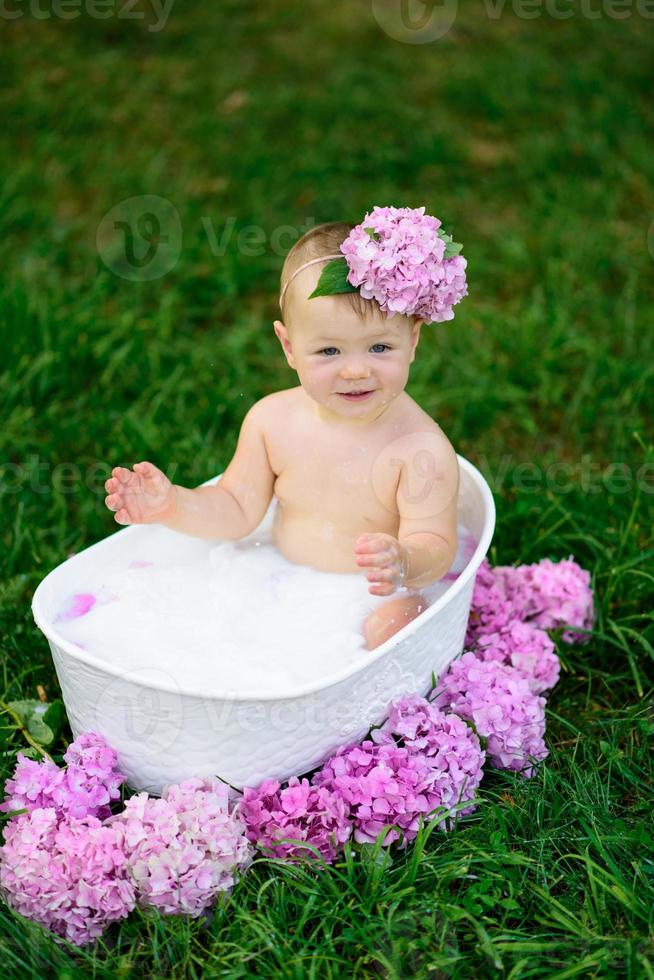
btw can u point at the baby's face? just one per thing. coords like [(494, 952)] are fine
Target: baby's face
[(335, 352)]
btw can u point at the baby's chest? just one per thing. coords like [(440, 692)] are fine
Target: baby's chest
[(349, 486)]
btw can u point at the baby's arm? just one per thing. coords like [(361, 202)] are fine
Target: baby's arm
[(427, 495), (230, 509), (427, 499)]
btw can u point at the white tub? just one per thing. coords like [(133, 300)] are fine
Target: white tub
[(164, 732)]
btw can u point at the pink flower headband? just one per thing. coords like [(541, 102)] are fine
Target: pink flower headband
[(400, 257)]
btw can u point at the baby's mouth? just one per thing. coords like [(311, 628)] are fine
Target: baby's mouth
[(355, 396)]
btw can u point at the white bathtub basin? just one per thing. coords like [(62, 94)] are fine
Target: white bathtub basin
[(165, 732)]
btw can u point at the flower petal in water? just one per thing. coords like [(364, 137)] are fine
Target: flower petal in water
[(76, 606)]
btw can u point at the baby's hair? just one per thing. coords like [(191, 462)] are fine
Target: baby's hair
[(321, 241)]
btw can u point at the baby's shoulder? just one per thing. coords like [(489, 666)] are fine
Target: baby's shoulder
[(410, 417), (417, 440), (267, 411), (276, 401)]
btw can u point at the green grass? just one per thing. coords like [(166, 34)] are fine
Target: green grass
[(530, 139)]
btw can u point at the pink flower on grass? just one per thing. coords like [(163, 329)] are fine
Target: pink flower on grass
[(444, 741), (185, 848), (402, 265), (85, 787), (381, 785), (526, 648), (490, 611), (299, 811), (66, 874), (546, 594), (550, 595), (498, 701)]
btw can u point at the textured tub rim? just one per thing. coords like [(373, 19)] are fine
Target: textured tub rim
[(52, 635)]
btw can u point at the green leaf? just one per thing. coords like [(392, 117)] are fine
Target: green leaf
[(32, 716), (333, 280), (54, 717), (24, 708), (451, 248), (39, 731)]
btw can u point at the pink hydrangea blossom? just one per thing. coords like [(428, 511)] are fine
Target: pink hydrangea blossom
[(382, 785), (402, 265), (66, 874), (490, 611), (444, 741), (85, 787), (546, 594), (526, 648), (71, 866), (299, 811), (550, 595), (498, 701), (185, 848)]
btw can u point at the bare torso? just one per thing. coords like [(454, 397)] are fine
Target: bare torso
[(334, 482)]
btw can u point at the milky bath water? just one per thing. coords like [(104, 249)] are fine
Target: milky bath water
[(228, 618)]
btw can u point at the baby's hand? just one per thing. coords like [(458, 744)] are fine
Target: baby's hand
[(144, 496), (386, 558)]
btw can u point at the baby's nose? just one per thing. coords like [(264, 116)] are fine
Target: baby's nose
[(355, 369)]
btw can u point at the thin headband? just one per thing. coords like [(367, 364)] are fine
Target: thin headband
[(323, 258)]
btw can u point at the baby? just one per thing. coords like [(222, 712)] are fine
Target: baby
[(365, 480)]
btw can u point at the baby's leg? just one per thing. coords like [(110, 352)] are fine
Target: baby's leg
[(383, 622)]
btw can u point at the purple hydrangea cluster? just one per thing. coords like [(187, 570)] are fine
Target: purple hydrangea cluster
[(85, 787), (300, 812), (489, 611), (546, 594), (185, 848), (498, 701), (68, 874), (396, 256), (526, 648), (72, 866), (381, 785), (550, 595), (446, 742)]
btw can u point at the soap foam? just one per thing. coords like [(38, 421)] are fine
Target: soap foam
[(237, 618)]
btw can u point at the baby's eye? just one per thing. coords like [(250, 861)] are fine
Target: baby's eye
[(386, 346), (326, 350)]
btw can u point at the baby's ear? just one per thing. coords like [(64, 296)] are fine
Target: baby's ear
[(415, 337), (284, 339)]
